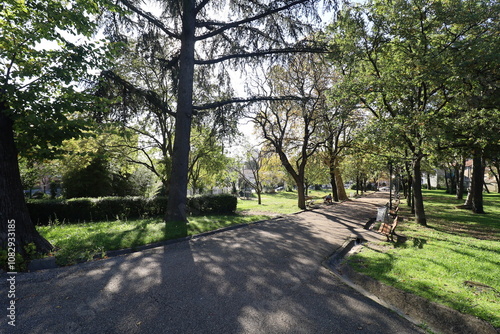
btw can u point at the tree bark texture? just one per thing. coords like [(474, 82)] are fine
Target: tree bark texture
[(496, 175), (418, 199), (333, 180), (477, 184), (176, 218), (14, 215), (340, 186)]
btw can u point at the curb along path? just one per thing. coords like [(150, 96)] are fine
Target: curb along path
[(260, 278)]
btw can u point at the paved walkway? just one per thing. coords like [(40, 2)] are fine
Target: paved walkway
[(262, 278)]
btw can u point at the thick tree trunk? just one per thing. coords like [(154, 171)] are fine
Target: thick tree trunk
[(340, 186), (15, 221), (333, 181), (417, 193), (176, 220), (477, 184), (301, 198)]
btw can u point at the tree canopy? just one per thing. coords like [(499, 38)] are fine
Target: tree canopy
[(45, 56)]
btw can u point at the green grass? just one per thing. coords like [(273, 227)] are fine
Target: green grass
[(278, 203), (454, 261), (81, 242), (282, 202)]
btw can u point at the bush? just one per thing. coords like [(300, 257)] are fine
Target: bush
[(75, 210), (212, 204)]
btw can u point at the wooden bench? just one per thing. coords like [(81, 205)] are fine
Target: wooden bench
[(389, 229), (309, 200), (394, 212)]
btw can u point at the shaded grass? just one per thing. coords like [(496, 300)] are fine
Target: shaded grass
[(454, 261), (84, 241)]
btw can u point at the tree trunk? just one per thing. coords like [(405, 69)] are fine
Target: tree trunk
[(495, 175), (404, 184), (301, 200), (340, 186), (176, 220), (409, 193), (333, 181), (448, 183), (429, 181), (460, 182), (14, 215), (477, 184), (417, 193), (357, 184), (452, 180)]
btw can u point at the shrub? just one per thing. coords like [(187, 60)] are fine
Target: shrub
[(212, 204), (43, 212)]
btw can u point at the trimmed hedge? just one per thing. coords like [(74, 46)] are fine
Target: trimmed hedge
[(212, 204), (75, 210)]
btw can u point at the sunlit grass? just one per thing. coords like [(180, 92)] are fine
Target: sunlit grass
[(81, 242), (282, 202), (84, 241), (454, 261)]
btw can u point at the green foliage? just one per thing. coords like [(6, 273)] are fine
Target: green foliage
[(20, 262), (93, 180), (213, 204), (40, 63), (436, 262), (44, 212)]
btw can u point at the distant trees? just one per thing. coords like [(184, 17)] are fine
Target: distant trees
[(250, 168), (404, 61), (292, 127)]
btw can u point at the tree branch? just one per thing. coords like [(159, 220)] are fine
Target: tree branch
[(260, 54), (219, 104), (269, 11), (150, 18), (149, 95)]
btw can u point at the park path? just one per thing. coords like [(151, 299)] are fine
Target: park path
[(260, 278)]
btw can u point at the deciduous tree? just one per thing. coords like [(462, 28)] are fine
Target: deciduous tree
[(39, 67), (207, 33)]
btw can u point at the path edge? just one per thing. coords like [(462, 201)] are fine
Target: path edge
[(418, 310)]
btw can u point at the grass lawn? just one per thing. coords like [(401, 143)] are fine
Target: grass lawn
[(454, 261), (282, 202), (81, 242)]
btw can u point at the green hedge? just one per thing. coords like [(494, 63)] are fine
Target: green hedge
[(212, 204), (43, 212)]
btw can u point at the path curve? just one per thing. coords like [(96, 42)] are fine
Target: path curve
[(261, 278)]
